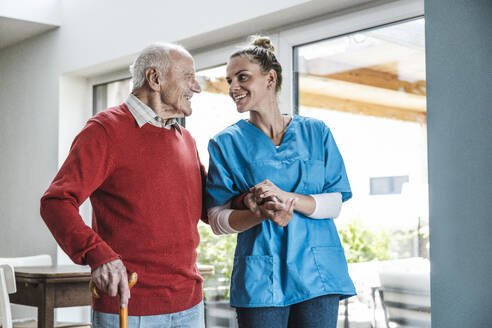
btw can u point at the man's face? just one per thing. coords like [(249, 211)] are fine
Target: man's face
[(180, 83)]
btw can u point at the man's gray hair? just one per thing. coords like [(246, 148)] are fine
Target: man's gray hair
[(155, 55)]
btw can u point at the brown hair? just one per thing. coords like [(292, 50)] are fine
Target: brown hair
[(260, 52)]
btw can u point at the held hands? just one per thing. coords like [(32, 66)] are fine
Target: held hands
[(111, 278), (266, 190), (267, 201)]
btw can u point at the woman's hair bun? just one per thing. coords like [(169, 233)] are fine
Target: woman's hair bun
[(262, 42)]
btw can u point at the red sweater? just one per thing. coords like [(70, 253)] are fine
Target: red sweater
[(145, 186)]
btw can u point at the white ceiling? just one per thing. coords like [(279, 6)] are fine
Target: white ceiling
[(14, 30), (285, 17), (402, 44)]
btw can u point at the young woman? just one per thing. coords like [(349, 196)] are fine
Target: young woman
[(289, 266)]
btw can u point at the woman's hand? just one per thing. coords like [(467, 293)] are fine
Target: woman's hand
[(267, 191), (278, 212)]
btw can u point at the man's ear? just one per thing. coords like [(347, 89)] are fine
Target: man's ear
[(153, 78)]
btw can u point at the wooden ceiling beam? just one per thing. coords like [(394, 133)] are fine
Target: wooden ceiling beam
[(219, 85), (319, 99), (316, 100), (362, 93), (381, 76)]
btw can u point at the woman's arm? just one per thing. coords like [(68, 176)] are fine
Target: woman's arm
[(278, 212), (320, 206), (224, 220), (305, 204)]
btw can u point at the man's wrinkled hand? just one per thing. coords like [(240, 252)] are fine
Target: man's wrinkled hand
[(112, 278), (250, 202), (278, 212)]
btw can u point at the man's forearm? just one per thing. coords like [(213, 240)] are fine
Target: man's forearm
[(242, 220)]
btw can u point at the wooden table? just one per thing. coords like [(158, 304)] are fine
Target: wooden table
[(50, 287), (206, 270)]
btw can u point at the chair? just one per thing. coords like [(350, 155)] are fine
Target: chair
[(405, 293), (8, 286), (36, 260), (359, 311)]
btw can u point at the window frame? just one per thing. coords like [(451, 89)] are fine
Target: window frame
[(335, 25)]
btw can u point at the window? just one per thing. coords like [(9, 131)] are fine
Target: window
[(387, 185), (110, 94), (369, 88), (213, 109)]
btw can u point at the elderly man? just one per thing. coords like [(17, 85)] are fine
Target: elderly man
[(145, 181)]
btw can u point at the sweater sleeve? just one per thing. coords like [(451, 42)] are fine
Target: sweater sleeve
[(203, 174), (87, 166), (237, 202)]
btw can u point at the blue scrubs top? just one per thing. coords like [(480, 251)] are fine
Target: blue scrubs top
[(280, 266)]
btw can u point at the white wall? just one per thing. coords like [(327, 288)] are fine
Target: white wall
[(39, 11), (28, 146), (99, 31)]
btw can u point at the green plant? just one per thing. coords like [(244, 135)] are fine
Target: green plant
[(219, 252), (362, 244)]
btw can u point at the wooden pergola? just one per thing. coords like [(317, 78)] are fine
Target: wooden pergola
[(373, 91), (378, 73)]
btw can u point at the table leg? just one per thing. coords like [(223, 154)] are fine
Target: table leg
[(373, 296), (46, 311), (346, 323)]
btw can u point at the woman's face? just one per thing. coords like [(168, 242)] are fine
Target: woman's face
[(249, 87)]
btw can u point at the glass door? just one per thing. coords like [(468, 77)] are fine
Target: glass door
[(369, 87)]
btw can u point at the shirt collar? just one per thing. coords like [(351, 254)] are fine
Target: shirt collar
[(143, 114)]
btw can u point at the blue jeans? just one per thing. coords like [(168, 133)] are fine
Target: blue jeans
[(319, 312), (191, 318)]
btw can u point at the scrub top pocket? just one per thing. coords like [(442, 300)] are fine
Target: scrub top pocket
[(314, 178), (332, 268), (257, 289)]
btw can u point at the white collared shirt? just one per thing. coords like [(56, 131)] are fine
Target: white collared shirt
[(144, 114)]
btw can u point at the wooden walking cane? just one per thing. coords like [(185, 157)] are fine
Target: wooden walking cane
[(123, 310)]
